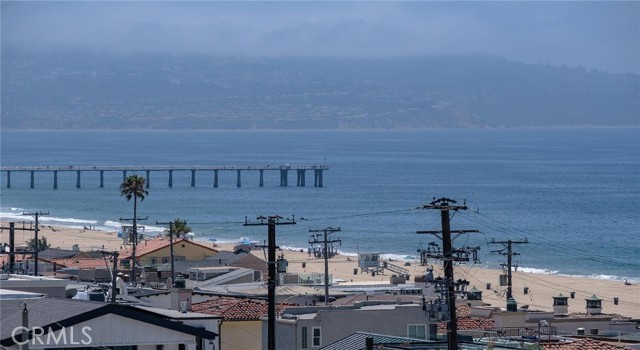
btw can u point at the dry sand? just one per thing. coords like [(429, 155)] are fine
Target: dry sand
[(541, 287)]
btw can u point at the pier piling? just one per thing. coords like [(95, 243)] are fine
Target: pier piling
[(101, 178), (238, 179), (170, 178), (32, 179), (317, 178), (215, 178), (148, 182), (193, 178), (78, 179), (261, 177), (55, 179), (301, 178), (8, 179)]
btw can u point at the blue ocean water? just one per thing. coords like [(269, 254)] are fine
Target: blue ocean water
[(574, 193)]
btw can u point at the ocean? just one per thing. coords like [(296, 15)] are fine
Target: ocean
[(573, 193)]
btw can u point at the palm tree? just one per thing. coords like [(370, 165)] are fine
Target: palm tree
[(180, 229), (133, 187)]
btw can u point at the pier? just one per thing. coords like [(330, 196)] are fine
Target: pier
[(283, 170)]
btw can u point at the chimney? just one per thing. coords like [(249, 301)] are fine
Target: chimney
[(180, 295), (594, 305), (560, 305)]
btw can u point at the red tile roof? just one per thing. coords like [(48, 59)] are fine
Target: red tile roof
[(582, 344), (83, 264), (235, 309), (466, 322), (151, 245)]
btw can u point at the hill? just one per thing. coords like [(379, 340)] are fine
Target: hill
[(81, 90)]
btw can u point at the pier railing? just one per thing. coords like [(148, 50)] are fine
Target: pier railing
[(284, 169)]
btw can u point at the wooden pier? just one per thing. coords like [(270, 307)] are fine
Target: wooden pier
[(283, 170)]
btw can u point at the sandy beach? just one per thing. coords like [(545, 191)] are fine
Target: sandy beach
[(541, 287)]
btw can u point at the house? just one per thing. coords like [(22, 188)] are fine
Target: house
[(581, 344), (198, 270), (314, 327), (294, 294), (57, 323), (46, 285), (358, 341), (57, 253), (241, 326), (239, 259), (157, 251)]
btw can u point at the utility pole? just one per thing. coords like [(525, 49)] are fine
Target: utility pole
[(445, 205), (272, 222), (134, 243), (114, 273), (327, 231), (509, 253), (36, 214), (12, 244), (173, 269)]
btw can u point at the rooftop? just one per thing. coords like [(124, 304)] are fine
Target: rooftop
[(582, 344), (151, 245), (83, 264), (235, 309)]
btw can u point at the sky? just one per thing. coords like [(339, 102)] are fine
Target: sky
[(603, 35)]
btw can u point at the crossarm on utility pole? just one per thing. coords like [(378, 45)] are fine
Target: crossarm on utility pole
[(327, 231), (272, 222), (36, 214)]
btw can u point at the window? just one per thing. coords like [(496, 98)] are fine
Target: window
[(305, 337), (317, 337), (165, 259), (154, 261), (417, 331)]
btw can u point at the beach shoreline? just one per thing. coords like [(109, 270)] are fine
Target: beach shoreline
[(540, 287)]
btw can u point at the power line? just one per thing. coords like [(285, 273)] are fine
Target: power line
[(12, 242), (36, 247), (567, 250), (272, 222), (173, 269), (445, 206), (509, 254), (326, 231)]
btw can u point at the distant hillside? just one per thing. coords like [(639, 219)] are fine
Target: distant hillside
[(89, 91)]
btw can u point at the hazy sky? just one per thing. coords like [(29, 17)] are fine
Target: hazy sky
[(596, 34)]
